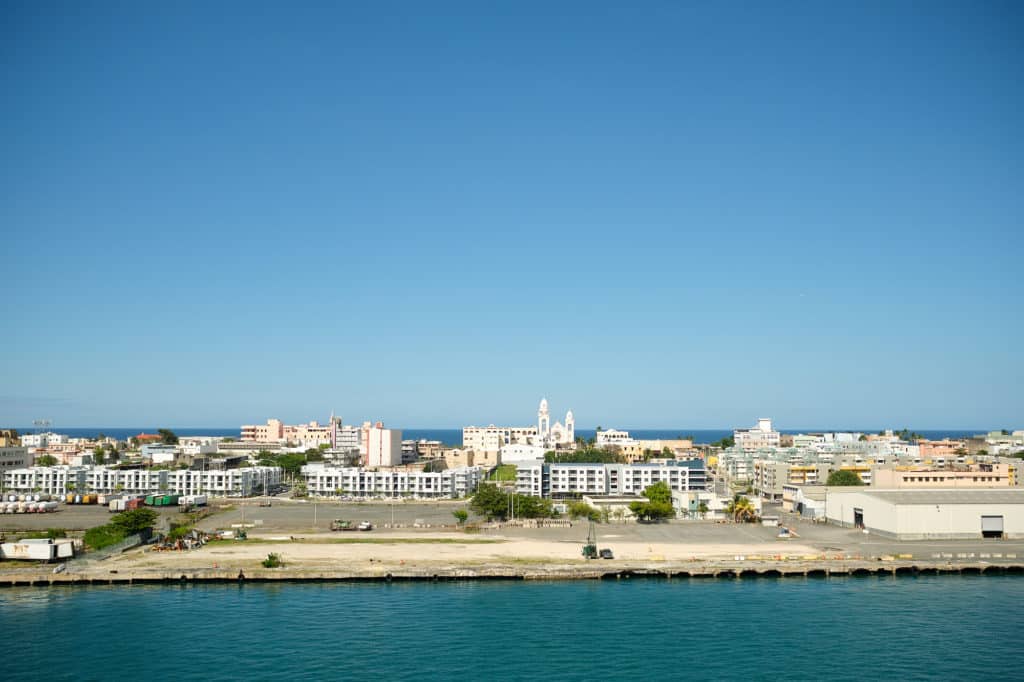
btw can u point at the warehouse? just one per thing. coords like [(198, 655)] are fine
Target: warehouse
[(926, 514)]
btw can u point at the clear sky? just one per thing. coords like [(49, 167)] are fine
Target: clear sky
[(658, 214)]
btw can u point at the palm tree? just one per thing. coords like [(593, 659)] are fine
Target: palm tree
[(702, 509), (741, 509)]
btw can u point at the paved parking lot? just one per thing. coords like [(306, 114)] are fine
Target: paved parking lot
[(305, 516)]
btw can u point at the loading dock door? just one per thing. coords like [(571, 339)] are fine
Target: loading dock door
[(992, 526)]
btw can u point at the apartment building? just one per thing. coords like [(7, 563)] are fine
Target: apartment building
[(761, 436), (572, 480), (58, 480), (329, 481)]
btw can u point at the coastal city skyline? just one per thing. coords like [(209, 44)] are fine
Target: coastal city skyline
[(685, 214), (403, 327)]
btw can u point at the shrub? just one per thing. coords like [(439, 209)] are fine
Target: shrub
[(273, 561)]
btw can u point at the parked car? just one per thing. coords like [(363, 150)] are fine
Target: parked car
[(607, 554), (365, 525)]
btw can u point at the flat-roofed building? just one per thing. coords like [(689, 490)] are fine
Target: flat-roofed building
[(329, 481), (761, 436), (929, 514), (978, 476)]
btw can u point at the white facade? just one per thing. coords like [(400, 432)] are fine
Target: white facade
[(614, 437), (485, 438), (382, 447), (521, 454), (761, 436), (99, 479), (925, 514), (159, 453), (43, 440), (554, 435), (562, 480), (359, 482)]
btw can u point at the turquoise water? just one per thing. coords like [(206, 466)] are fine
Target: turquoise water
[(936, 627)]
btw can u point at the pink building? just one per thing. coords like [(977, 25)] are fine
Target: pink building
[(309, 435)]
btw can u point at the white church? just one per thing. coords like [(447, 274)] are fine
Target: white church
[(554, 436)]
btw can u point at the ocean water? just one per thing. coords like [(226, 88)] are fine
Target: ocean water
[(924, 628), (454, 436)]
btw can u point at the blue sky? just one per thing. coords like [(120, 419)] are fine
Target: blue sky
[(664, 214)]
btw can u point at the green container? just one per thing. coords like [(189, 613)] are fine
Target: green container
[(150, 501)]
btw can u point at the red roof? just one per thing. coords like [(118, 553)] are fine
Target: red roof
[(147, 436)]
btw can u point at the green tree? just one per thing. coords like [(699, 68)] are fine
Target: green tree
[(489, 502), (582, 510), (863, 437), (658, 506), (726, 442), (702, 509), (461, 515), (844, 477), (167, 437), (134, 521), (98, 454), (658, 492), (46, 461)]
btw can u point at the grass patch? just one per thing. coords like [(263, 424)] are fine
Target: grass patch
[(504, 472)]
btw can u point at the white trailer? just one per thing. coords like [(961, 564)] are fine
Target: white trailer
[(38, 550)]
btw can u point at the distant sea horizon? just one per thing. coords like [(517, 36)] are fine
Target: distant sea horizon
[(454, 436)]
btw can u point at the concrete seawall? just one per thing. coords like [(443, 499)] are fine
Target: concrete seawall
[(665, 571)]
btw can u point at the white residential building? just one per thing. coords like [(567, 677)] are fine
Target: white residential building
[(614, 437), (761, 436), (381, 447), (324, 480), (44, 440), (160, 453), (100, 479), (566, 480)]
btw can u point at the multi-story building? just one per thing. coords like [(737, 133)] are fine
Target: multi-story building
[(545, 434), (572, 480), (981, 476), (14, 457), (220, 482), (345, 437), (308, 435), (380, 446), (947, 448), (360, 482), (44, 440), (761, 436), (413, 450)]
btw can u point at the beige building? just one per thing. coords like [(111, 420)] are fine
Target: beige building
[(464, 457), (492, 438), (981, 476)]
